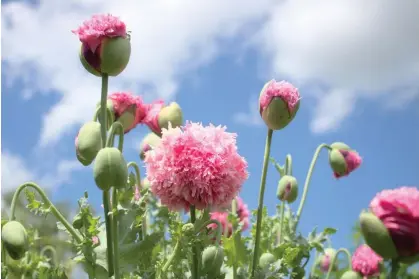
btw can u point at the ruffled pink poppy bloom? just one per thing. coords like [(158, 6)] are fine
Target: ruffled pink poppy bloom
[(127, 103), (152, 117), (398, 209), (93, 31), (353, 161), (284, 90), (366, 262), (196, 165), (222, 217)]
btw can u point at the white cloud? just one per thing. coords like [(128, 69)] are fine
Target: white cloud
[(358, 49), (14, 172), (168, 39)]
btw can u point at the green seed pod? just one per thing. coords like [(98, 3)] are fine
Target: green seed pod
[(266, 260), (88, 142), (340, 145), (350, 274), (111, 57), (337, 162), (15, 239), (149, 142), (110, 169), (377, 236), (77, 221), (170, 114), (188, 230), (212, 260), (287, 189)]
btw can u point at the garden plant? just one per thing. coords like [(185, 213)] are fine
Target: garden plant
[(183, 217)]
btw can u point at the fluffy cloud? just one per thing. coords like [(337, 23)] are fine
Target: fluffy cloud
[(14, 172), (357, 49), (168, 38)]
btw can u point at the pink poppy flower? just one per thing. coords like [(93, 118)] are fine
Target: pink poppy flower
[(398, 209), (366, 262), (196, 165), (284, 90), (352, 160)]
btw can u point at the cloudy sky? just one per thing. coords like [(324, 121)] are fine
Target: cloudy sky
[(356, 64)]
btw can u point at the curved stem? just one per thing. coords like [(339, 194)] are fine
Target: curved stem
[(54, 210), (334, 259), (111, 117), (115, 233), (53, 252), (260, 206), (172, 257), (395, 266), (116, 128), (307, 182), (195, 269)]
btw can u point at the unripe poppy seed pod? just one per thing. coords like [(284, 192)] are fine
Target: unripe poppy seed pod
[(287, 189), (88, 142), (212, 260), (15, 239), (265, 260), (110, 169)]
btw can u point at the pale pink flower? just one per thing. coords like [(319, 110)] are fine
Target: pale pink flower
[(284, 90), (398, 209), (222, 217), (366, 262), (325, 263), (152, 117), (95, 240), (94, 30), (353, 161), (196, 165), (126, 102)]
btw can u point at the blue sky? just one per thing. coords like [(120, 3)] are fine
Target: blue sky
[(360, 95)]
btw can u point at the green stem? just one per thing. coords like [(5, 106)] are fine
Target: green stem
[(260, 206), (172, 257), (103, 107), (108, 224), (49, 204), (115, 233), (307, 182), (234, 212), (116, 129), (195, 269), (334, 259), (395, 266), (53, 252), (281, 221), (138, 184), (288, 165), (313, 267)]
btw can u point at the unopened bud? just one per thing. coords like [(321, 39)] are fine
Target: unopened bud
[(15, 239), (88, 142), (110, 169), (287, 189)]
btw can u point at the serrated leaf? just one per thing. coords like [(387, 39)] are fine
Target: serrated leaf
[(329, 231), (235, 250)]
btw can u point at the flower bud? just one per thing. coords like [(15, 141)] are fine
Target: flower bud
[(145, 184), (278, 104), (149, 141), (88, 142), (106, 46), (266, 260), (15, 239), (77, 221), (377, 236), (212, 260), (350, 274), (159, 117), (188, 230), (287, 189), (110, 169), (326, 259), (343, 160)]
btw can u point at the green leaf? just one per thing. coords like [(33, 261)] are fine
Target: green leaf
[(235, 250), (37, 207), (329, 231)]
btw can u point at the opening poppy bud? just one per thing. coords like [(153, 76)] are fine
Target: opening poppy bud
[(110, 169), (265, 260), (287, 189), (15, 239), (350, 274), (106, 46), (212, 260), (170, 114), (343, 160), (149, 141), (88, 142), (377, 236), (278, 104), (77, 221), (326, 259), (188, 230)]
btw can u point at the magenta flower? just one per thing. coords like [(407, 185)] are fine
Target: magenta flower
[(398, 210), (102, 50), (278, 103), (366, 262), (352, 162), (128, 109), (196, 165), (222, 217)]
